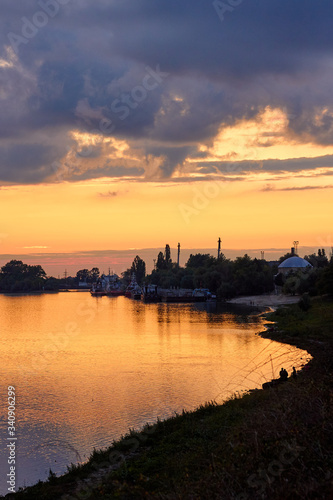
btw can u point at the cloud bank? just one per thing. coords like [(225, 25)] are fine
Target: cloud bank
[(142, 89)]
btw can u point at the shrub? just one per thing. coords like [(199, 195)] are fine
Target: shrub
[(304, 302)]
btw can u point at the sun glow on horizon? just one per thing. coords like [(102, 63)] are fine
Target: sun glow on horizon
[(100, 215)]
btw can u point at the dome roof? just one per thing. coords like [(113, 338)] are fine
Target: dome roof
[(295, 262)]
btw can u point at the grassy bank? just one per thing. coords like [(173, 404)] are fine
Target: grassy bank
[(272, 444)]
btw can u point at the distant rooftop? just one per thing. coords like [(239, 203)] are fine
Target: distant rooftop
[(294, 262)]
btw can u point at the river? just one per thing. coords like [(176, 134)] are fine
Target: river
[(87, 369)]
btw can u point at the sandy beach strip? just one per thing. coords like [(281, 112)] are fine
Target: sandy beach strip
[(271, 300)]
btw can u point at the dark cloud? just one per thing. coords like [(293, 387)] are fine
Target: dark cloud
[(279, 166), (111, 55), (26, 163), (106, 171), (172, 156)]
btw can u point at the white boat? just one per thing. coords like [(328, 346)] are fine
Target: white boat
[(107, 285), (133, 290)]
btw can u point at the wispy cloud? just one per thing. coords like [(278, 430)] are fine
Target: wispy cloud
[(109, 194), (35, 247), (270, 187)]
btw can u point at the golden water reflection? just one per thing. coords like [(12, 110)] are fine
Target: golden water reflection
[(86, 369)]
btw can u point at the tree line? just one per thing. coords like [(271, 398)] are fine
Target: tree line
[(18, 277), (224, 277), (242, 276)]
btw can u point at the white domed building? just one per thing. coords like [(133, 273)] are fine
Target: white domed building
[(295, 264)]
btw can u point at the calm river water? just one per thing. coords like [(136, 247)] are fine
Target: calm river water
[(87, 369)]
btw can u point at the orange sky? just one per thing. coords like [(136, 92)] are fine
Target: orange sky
[(261, 209)]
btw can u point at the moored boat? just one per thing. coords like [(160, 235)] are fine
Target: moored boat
[(98, 289), (115, 293), (114, 286), (150, 294), (107, 285), (186, 295), (133, 290)]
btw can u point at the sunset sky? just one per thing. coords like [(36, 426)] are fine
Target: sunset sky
[(132, 124)]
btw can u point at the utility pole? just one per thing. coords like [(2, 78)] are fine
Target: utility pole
[(219, 248), (178, 256), (262, 255)]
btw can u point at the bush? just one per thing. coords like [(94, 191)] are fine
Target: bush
[(187, 281), (226, 291), (304, 302)]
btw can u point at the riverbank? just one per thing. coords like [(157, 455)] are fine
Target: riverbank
[(274, 444), (269, 300)]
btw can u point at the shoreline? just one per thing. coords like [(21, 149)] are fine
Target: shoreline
[(137, 449), (269, 300)]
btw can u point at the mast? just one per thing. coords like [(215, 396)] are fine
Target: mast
[(219, 248)]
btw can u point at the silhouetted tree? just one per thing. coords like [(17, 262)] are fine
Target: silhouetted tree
[(16, 276), (15, 268), (325, 281), (139, 268), (126, 277), (94, 274), (167, 256), (319, 260), (82, 275), (200, 260), (160, 264), (221, 276)]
